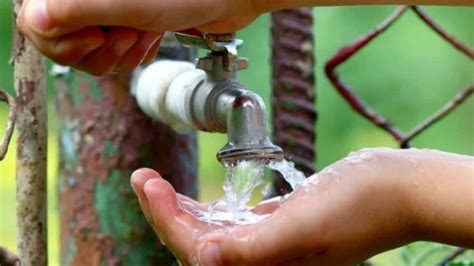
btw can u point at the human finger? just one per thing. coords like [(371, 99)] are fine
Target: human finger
[(138, 52), (137, 181), (103, 59), (151, 54), (177, 228), (259, 244), (69, 49), (52, 17)]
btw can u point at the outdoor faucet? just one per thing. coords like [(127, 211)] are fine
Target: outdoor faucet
[(207, 97)]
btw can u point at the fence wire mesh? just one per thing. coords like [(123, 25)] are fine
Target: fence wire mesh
[(358, 105), (8, 99)]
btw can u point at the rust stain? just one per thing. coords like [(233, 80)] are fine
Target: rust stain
[(140, 142), (104, 137), (293, 99)]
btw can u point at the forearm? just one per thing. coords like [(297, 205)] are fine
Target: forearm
[(273, 5), (441, 197)]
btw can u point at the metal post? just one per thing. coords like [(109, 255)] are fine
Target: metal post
[(103, 138), (294, 113), (31, 124)]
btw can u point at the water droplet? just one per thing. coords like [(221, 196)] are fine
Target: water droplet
[(413, 162), (240, 181), (357, 157), (267, 190)]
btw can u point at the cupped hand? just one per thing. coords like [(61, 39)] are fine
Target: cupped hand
[(118, 35), (343, 215)]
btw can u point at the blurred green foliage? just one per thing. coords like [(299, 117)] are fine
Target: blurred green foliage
[(405, 74)]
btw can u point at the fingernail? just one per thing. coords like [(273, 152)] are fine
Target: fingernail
[(210, 255), (132, 180), (133, 187), (37, 12)]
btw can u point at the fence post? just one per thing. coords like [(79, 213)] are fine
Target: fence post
[(294, 92), (103, 137), (31, 124)]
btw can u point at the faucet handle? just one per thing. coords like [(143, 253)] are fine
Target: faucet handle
[(225, 44)]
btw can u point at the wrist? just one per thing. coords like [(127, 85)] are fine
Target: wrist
[(389, 186), (401, 178)]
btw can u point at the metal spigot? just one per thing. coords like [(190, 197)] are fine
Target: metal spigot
[(219, 45), (210, 99), (243, 111)]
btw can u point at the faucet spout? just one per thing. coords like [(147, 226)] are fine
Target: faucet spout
[(247, 133), (196, 100)]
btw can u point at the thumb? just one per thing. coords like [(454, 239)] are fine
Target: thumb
[(234, 247), (259, 243)]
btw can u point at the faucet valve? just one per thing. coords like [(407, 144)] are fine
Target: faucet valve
[(211, 100), (225, 45)]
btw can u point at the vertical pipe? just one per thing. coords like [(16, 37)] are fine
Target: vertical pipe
[(31, 124), (293, 100), (103, 138)]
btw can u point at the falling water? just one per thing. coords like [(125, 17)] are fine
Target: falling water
[(287, 169), (240, 181)]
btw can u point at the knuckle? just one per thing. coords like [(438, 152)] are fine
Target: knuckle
[(20, 24), (61, 11)]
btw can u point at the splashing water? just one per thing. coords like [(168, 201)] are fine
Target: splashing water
[(287, 169), (241, 179)]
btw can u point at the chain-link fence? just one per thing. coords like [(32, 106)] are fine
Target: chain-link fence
[(358, 105)]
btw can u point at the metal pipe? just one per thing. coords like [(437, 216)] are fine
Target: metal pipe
[(209, 101), (244, 113)]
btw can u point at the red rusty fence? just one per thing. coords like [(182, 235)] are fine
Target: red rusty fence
[(357, 104), (360, 107), (294, 113)]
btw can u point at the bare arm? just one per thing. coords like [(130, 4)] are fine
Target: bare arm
[(273, 5), (72, 32), (369, 202), (441, 198)]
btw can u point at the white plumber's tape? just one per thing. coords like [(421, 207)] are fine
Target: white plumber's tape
[(162, 88)]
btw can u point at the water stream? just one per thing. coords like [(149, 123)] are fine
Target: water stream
[(241, 180)]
